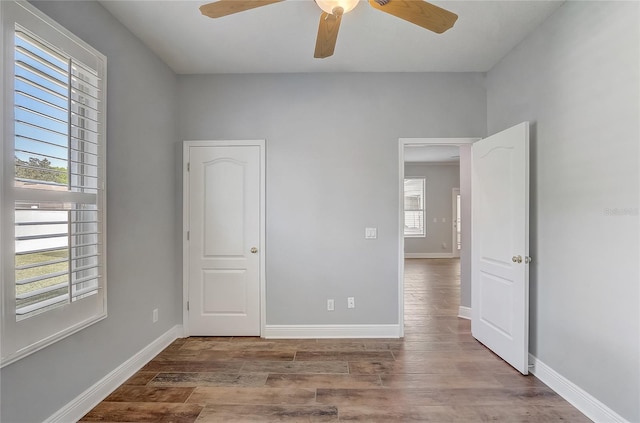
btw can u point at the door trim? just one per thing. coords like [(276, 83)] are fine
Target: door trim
[(185, 222), (404, 142), (454, 218)]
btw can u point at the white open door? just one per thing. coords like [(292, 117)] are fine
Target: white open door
[(500, 244), (224, 222)]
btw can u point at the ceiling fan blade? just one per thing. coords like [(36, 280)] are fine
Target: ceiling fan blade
[(228, 7), (418, 12), (327, 35)]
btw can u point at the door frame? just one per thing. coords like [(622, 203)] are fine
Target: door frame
[(404, 142), (185, 223), (455, 192)]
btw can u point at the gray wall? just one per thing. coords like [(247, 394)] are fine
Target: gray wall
[(332, 170), (577, 80), (440, 180), (142, 224)]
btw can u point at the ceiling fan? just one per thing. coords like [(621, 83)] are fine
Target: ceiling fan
[(418, 12)]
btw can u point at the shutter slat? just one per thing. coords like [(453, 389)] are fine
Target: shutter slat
[(41, 250), (43, 61), (37, 292), (84, 292), (85, 279), (42, 116), (31, 140), (53, 222), (40, 100), (44, 128), (92, 244), (40, 87), (42, 264), (40, 154), (43, 236), (87, 267), (40, 305), (41, 277), (39, 182), (38, 73), (86, 256), (40, 169), (27, 38)]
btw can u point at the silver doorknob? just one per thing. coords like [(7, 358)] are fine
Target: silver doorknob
[(254, 250), (516, 259), (528, 259)]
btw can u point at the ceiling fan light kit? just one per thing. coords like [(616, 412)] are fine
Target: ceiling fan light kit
[(330, 5), (418, 12)]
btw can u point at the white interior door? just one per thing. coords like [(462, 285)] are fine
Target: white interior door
[(500, 244), (225, 242)]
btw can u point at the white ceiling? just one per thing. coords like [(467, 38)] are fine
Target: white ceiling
[(280, 38), (432, 153)]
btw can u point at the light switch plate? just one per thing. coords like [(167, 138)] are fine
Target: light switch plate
[(370, 233)]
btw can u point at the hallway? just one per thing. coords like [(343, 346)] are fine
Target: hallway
[(437, 373)]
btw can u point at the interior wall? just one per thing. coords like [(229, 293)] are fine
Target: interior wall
[(576, 78), (143, 258), (440, 180), (332, 170)]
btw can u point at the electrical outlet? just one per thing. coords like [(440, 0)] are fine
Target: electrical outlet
[(155, 315), (330, 305), (351, 302)]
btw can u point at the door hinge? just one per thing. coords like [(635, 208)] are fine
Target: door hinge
[(188, 167), (188, 234), (187, 305)]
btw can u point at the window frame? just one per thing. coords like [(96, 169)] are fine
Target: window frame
[(423, 209), (23, 337)]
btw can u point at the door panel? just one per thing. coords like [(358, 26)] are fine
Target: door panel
[(500, 226), (224, 207), (224, 196), (224, 292), (496, 292)]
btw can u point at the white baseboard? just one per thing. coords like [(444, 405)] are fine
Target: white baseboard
[(464, 312), (83, 403), (428, 255), (576, 396), (331, 331)]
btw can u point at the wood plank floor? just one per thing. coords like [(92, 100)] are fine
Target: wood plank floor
[(437, 373)]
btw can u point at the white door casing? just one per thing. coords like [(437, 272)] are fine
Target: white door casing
[(455, 221), (224, 238), (500, 244)]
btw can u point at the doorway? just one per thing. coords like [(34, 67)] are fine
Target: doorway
[(464, 146)]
